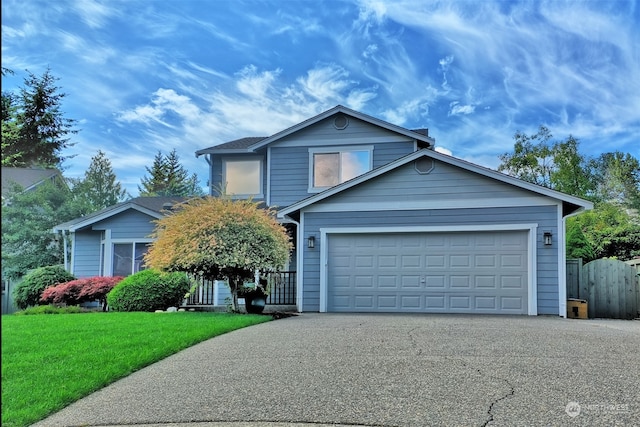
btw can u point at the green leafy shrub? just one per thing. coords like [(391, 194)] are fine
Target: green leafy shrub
[(149, 290), (51, 309), (29, 291), (81, 290)]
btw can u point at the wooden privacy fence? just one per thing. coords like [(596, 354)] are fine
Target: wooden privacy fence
[(610, 287)]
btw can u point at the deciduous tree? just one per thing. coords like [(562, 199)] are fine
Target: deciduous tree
[(612, 182), (220, 239)]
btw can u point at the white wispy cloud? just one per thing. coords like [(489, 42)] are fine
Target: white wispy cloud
[(93, 13), (456, 108)]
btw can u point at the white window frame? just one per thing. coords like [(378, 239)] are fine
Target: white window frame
[(260, 194), (107, 255), (336, 150)]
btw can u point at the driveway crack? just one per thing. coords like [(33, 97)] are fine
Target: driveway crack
[(414, 343), (507, 395)]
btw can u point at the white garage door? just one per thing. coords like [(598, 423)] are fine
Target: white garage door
[(454, 272)]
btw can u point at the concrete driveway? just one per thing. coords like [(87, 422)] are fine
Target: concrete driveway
[(386, 370)]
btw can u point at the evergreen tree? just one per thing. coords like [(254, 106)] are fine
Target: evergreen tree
[(27, 220), (99, 188), (167, 177), (34, 129)]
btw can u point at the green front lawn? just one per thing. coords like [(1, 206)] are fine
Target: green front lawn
[(50, 361)]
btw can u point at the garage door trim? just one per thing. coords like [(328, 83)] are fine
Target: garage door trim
[(325, 234)]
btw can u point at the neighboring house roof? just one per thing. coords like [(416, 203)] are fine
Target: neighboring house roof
[(152, 206), (249, 144), (571, 204), (27, 178)]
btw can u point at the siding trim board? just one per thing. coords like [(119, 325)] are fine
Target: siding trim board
[(531, 229), (418, 204), (109, 214), (562, 264)]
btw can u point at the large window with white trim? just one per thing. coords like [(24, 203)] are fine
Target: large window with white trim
[(331, 166), (242, 178)]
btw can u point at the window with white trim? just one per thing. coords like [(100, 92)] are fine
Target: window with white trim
[(242, 178), (329, 167), (128, 258)]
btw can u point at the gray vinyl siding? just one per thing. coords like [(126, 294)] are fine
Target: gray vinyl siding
[(289, 157), (130, 224), (544, 216), (443, 183), (86, 254)]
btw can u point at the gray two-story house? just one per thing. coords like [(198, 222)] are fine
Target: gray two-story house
[(383, 223)]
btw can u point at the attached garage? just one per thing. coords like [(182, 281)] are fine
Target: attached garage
[(448, 238), (437, 272)]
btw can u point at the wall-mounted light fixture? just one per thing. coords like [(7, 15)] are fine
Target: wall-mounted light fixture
[(311, 242), (547, 238)]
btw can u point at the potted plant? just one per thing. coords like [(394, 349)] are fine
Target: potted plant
[(255, 295)]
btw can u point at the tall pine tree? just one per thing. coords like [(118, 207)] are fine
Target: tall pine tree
[(34, 129), (167, 177), (99, 188)]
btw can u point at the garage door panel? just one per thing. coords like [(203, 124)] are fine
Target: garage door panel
[(388, 282), (486, 303), (364, 281), (486, 282), (512, 303), (435, 281), (459, 261), (411, 261), (410, 282), (512, 261), (429, 272), (512, 282), (435, 261), (460, 282), (486, 261), (435, 302), (364, 261), (460, 302)]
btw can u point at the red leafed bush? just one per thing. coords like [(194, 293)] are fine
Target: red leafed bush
[(81, 290)]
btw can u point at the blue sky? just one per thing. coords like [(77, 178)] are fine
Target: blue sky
[(143, 76)]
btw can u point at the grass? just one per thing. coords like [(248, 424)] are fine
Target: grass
[(50, 361)]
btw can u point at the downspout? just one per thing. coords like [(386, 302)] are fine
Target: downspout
[(64, 245), (207, 158)]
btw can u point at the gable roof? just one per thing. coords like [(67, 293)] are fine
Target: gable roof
[(250, 144), (27, 178), (571, 204), (152, 206)]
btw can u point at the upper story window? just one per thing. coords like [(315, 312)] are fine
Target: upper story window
[(243, 178), (331, 166)]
